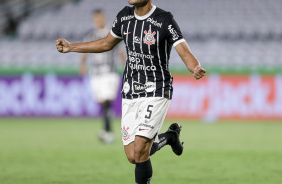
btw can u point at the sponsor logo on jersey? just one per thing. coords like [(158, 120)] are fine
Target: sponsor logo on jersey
[(147, 126), (174, 34), (148, 87), (126, 33), (135, 61), (137, 40), (141, 129), (149, 38), (124, 18), (126, 87), (140, 55), (125, 134), (135, 64), (114, 23), (154, 22)]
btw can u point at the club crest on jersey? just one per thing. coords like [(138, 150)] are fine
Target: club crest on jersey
[(149, 38), (125, 134)]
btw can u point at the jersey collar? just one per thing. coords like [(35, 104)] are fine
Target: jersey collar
[(147, 15)]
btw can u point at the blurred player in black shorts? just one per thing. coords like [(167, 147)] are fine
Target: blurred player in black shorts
[(102, 69), (149, 34)]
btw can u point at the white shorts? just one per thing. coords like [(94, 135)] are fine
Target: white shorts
[(105, 87), (143, 117)]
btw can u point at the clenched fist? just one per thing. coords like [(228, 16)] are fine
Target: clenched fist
[(199, 72), (63, 45)]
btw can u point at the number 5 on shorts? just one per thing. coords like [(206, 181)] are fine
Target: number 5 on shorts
[(149, 111)]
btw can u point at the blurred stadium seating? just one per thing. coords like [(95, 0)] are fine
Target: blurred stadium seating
[(225, 35)]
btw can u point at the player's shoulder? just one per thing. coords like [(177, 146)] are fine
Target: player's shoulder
[(163, 14), (126, 11)]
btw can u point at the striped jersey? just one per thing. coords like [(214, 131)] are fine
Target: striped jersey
[(148, 41), (100, 63)]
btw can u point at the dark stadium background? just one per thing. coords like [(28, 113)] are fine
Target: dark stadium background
[(231, 118)]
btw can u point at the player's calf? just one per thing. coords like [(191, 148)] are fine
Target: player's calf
[(143, 169), (138, 153)]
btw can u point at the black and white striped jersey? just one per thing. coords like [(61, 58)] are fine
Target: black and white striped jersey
[(100, 63), (148, 41)]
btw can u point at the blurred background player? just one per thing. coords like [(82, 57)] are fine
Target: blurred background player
[(104, 79)]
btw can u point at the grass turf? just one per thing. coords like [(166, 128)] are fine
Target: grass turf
[(67, 151)]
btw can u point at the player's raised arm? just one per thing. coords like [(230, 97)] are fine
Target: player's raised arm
[(97, 46), (176, 39), (191, 62)]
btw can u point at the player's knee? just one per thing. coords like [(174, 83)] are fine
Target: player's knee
[(141, 149), (129, 151), (131, 159)]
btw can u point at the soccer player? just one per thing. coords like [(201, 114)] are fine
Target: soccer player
[(149, 34), (104, 77)]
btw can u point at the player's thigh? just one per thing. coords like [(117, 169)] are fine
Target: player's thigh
[(128, 120), (151, 116)]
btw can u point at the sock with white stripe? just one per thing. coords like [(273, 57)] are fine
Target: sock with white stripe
[(164, 139), (143, 172)]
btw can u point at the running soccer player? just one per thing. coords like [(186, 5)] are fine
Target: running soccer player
[(149, 34), (104, 80)]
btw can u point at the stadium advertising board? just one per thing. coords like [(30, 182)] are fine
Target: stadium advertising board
[(227, 96), (211, 98), (48, 95)]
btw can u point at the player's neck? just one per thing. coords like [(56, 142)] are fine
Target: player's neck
[(141, 11)]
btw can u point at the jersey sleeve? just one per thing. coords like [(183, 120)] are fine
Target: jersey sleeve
[(174, 34), (116, 28)]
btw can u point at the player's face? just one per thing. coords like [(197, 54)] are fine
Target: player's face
[(138, 3), (99, 20)]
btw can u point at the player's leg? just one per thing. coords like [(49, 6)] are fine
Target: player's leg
[(106, 135), (170, 137), (107, 92), (143, 166), (98, 87), (141, 121), (166, 138), (139, 150), (138, 153), (107, 115)]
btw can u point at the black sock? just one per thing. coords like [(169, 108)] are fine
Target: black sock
[(164, 139), (143, 172), (107, 115)]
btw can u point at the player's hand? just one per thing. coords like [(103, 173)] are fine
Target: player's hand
[(199, 72), (63, 45), (82, 70)]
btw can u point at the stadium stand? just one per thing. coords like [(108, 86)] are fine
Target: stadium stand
[(223, 34)]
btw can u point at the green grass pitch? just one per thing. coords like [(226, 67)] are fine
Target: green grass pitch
[(67, 151)]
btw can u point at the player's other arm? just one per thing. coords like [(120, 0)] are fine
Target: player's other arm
[(191, 62), (97, 46)]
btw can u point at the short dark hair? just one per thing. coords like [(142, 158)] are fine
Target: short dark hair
[(96, 11)]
